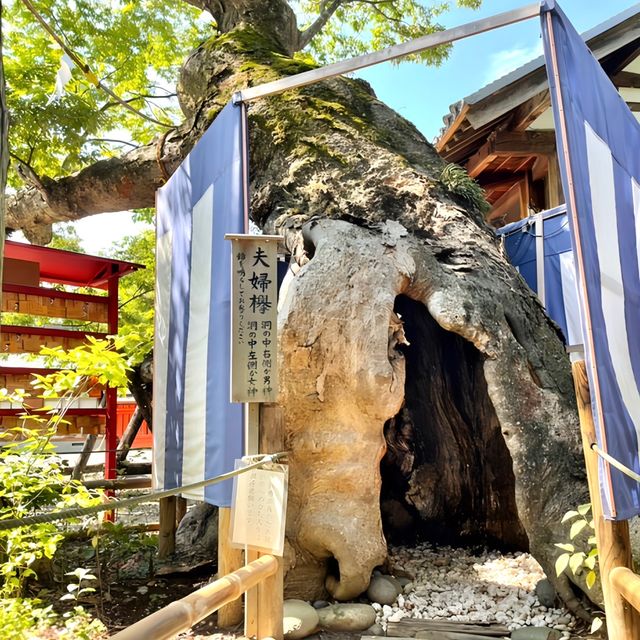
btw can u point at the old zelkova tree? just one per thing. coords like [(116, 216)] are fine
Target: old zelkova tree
[(424, 390)]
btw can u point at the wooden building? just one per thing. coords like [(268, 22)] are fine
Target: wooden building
[(504, 133)]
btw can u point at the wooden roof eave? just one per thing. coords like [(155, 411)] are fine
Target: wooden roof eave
[(453, 128), (483, 111)]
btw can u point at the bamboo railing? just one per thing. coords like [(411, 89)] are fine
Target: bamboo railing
[(182, 614)]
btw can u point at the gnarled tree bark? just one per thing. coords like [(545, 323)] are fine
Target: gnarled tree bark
[(358, 194)]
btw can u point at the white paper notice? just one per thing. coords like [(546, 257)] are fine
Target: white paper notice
[(259, 509)]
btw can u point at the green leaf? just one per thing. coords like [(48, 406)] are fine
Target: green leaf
[(576, 528), (569, 515), (575, 562), (583, 509), (562, 562), (565, 546), (596, 625)]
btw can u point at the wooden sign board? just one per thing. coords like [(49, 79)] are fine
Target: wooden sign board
[(260, 507), (254, 318), (21, 272)]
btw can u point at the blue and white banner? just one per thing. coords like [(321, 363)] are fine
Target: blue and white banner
[(598, 141), (540, 249), (197, 431)]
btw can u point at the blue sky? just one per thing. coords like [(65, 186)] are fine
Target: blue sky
[(423, 94)]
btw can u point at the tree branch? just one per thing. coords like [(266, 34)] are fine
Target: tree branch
[(327, 9), (129, 144), (114, 184)]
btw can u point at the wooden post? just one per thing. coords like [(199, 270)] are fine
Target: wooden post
[(524, 197), (271, 590), (111, 395), (252, 431), (167, 535), (229, 559), (129, 435), (264, 603), (612, 537), (83, 460), (181, 509), (553, 182)]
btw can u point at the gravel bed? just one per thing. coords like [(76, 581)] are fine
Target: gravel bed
[(470, 586)]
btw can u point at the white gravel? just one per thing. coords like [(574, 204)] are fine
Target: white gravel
[(467, 586)]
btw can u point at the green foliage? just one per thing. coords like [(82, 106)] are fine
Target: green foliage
[(22, 618), (360, 26), (66, 237), (96, 360), (137, 296), (31, 477), (136, 48), (579, 561), (29, 619), (32, 481), (456, 180), (77, 589)]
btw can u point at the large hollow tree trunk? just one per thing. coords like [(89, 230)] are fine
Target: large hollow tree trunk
[(360, 197)]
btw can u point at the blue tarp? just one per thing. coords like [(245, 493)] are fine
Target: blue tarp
[(558, 295)]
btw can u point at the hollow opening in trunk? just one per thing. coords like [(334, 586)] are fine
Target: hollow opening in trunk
[(447, 474)]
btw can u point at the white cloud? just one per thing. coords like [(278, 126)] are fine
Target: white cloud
[(503, 62)]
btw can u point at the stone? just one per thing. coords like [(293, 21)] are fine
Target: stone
[(347, 617), (394, 581), (320, 604), (300, 619), (546, 593), (197, 534), (374, 630), (382, 590), (535, 633)]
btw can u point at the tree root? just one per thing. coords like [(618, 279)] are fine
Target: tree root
[(571, 600)]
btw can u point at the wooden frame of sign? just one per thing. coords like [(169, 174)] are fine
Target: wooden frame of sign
[(254, 317)]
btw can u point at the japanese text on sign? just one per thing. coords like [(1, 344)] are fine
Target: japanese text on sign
[(254, 319), (259, 509)]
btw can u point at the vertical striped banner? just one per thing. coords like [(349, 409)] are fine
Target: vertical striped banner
[(198, 432), (598, 140)]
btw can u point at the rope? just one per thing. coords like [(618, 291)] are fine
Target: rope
[(616, 463), (77, 512)]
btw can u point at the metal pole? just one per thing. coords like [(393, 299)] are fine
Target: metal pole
[(539, 233), (390, 53)]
